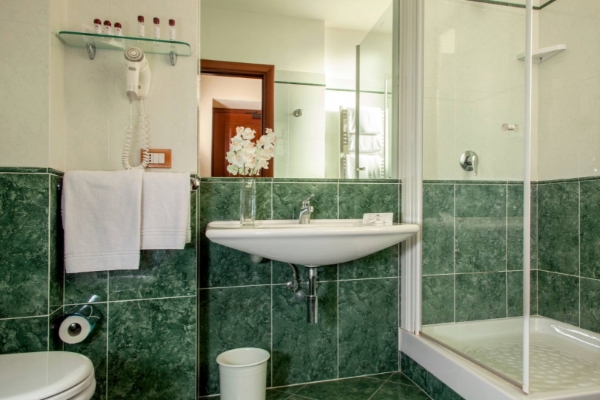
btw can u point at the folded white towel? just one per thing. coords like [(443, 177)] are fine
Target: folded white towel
[(370, 162), (371, 121), (368, 143), (165, 211), (102, 218)]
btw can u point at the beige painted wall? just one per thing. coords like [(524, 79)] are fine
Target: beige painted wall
[(97, 110)]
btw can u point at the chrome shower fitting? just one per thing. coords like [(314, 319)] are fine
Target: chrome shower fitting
[(469, 161), (297, 113)]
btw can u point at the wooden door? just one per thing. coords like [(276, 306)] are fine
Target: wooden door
[(225, 122)]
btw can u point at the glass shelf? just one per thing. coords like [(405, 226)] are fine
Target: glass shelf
[(93, 41)]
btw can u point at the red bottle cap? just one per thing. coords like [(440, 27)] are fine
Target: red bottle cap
[(107, 23), (156, 21), (171, 22), (97, 21), (140, 18), (118, 25)]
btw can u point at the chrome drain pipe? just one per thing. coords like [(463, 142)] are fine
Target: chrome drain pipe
[(312, 301)]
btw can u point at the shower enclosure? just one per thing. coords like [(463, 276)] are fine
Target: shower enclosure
[(506, 274)]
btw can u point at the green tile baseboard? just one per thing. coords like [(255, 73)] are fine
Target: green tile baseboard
[(424, 379)]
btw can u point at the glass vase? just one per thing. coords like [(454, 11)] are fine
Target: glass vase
[(248, 201)]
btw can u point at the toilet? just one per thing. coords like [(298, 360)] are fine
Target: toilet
[(48, 375)]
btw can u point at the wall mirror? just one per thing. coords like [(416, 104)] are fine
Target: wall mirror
[(302, 69)]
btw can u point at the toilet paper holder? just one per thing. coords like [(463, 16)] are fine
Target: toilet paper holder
[(75, 325)]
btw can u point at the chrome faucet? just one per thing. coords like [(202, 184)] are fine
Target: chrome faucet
[(306, 210)]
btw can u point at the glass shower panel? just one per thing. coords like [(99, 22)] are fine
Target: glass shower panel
[(372, 144), (472, 293)]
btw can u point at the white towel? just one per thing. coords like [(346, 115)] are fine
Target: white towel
[(368, 143), (371, 163), (165, 211), (102, 217), (371, 121)]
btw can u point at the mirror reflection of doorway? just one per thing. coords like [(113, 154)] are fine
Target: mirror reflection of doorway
[(225, 122), (233, 94)]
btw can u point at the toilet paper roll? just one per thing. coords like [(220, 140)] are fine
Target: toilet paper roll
[(74, 329)]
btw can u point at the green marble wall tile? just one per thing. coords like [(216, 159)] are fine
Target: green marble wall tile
[(21, 335), (162, 273), (481, 201), (438, 229), (220, 266), (558, 297), (382, 264), (558, 211), (480, 244), (534, 245), (287, 199), (55, 246), (413, 370), (514, 231), (230, 318), (359, 198), (94, 347), (220, 201), (368, 325), (515, 293), (590, 305), (480, 296), (351, 389), (589, 229), (54, 342), (317, 359), (438, 299), (23, 245), (282, 273), (152, 348), (393, 391), (435, 388), (23, 170), (79, 288)]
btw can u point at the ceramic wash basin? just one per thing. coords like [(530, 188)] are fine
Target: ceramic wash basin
[(322, 242)]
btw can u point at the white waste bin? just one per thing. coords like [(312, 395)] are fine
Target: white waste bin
[(243, 374)]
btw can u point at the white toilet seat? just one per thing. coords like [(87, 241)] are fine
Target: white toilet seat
[(55, 375)]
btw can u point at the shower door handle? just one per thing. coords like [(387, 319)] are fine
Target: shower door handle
[(469, 161)]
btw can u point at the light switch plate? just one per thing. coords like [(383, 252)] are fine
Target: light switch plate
[(159, 158)]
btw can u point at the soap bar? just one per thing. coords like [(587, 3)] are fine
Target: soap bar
[(378, 218)]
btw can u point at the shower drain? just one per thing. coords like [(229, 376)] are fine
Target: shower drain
[(551, 368)]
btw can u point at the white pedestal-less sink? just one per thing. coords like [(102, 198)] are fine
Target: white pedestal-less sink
[(322, 242)]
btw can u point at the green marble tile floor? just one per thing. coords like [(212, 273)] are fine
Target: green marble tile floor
[(389, 386)]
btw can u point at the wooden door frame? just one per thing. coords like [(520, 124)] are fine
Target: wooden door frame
[(264, 72)]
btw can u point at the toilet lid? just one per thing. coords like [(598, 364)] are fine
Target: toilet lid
[(40, 375)]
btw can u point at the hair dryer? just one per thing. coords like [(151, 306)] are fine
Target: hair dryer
[(138, 87), (138, 74)]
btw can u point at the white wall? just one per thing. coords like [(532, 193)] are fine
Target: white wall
[(569, 90), (294, 44), (97, 110), (226, 88), (25, 83), (473, 85), (340, 57)]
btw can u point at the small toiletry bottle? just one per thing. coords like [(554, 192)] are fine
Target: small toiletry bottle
[(141, 27), (172, 33), (118, 29), (107, 28), (97, 26), (156, 30)]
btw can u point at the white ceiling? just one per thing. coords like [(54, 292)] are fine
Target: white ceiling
[(345, 14)]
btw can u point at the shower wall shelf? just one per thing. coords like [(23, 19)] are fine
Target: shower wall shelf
[(93, 41), (543, 54)]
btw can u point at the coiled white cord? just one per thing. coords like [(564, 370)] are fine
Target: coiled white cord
[(144, 129)]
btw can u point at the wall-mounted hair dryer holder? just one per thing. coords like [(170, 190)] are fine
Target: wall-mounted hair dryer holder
[(93, 42)]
